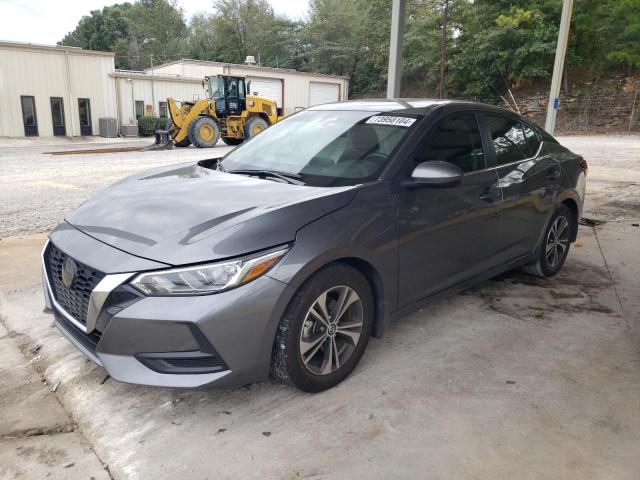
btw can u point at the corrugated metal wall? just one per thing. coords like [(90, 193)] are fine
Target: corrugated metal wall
[(44, 74), (143, 91), (296, 84)]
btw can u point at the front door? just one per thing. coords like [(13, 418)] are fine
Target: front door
[(235, 95), (529, 181), (29, 118), (84, 111), (446, 235), (57, 116)]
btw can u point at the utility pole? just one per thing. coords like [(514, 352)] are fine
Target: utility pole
[(556, 79), (394, 76), (443, 46), (153, 96)]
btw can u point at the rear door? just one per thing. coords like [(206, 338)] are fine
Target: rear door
[(529, 179), (447, 235)]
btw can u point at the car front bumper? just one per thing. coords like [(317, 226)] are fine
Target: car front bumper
[(180, 341)]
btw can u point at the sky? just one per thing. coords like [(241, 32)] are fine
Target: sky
[(48, 21)]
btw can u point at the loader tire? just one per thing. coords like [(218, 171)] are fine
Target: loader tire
[(232, 141), (254, 126), (204, 132), (185, 142)]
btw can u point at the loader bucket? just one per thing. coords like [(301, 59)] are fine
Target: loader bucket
[(163, 141)]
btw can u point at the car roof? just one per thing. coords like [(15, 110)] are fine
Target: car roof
[(418, 106)]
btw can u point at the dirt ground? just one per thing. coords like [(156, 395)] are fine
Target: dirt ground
[(516, 378)]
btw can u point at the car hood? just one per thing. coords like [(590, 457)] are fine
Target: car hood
[(188, 213)]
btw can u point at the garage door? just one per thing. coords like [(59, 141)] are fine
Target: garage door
[(267, 87), (323, 93)]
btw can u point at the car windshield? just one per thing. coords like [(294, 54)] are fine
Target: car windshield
[(324, 147)]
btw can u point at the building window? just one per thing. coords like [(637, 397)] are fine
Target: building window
[(139, 109), (29, 118), (162, 110)]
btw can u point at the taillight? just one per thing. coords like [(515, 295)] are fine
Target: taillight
[(584, 166)]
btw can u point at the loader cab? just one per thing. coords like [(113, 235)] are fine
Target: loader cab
[(229, 94)]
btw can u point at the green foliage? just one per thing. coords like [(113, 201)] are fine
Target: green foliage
[(147, 125), (136, 32), (106, 30), (491, 45), (161, 123)]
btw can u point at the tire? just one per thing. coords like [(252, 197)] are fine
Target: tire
[(185, 142), (204, 132), (299, 328), (555, 247), (254, 126), (232, 141)]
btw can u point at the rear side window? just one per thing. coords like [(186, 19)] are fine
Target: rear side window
[(509, 141), (533, 142), (455, 140)]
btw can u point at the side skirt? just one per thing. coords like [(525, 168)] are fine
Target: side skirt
[(404, 311)]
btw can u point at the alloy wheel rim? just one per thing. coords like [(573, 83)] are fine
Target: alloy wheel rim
[(331, 330), (557, 241)]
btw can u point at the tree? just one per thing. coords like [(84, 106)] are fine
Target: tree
[(133, 31), (156, 27), (102, 30)]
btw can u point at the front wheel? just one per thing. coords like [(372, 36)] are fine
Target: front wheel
[(555, 245), (204, 132), (325, 329)]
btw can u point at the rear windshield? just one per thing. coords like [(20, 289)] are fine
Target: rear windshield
[(326, 148)]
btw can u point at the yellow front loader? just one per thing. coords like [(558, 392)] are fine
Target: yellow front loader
[(228, 112)]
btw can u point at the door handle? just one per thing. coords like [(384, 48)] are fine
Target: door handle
[(490, 194)]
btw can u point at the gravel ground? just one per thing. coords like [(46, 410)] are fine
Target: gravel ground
[(38, 189)]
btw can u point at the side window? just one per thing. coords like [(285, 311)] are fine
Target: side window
[(533, 142), (139, 108), (455, 140), (508, 139)]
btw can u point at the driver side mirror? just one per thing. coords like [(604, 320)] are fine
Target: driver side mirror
[(435, 173)]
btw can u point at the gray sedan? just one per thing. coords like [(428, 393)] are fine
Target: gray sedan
[(288, 254)]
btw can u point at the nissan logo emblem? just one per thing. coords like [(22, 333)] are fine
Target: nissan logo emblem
[(69, 271)]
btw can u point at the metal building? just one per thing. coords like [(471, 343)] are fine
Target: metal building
[(47, 91), (64, 91), (291, 90)]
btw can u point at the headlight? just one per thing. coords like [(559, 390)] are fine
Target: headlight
[(211, 278)]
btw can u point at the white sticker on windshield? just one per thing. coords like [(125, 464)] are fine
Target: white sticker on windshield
[(393, 121)]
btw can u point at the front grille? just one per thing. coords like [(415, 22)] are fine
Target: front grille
[(87, 340), (74, 300), (211, 362)]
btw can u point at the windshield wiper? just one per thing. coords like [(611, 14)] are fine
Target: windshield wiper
[(292, 178)]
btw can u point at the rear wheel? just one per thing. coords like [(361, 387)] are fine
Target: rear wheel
[(555, 245), (325, 329), (232, 141), (204, 132), (253, 126)]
